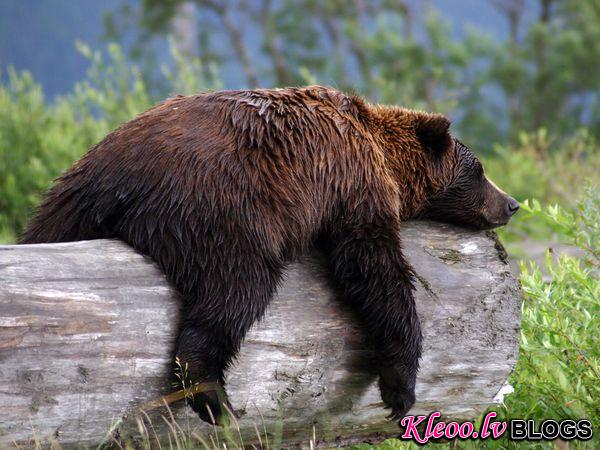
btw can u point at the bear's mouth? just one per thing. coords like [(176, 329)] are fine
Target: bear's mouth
[(502, 212), (491, 224)]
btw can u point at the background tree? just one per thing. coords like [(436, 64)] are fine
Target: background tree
[(534, 89), (541, 75)]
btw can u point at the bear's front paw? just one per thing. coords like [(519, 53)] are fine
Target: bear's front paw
[(396, 394), (211, 406)]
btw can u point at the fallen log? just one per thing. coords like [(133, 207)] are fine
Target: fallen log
[(87, 329)]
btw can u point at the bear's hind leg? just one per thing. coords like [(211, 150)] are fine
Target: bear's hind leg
[(200, 364), (215, 323)]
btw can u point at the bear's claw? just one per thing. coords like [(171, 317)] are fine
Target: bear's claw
[(212, 407), (395, 396), (400, 402)]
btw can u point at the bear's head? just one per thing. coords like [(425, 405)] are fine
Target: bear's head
[(460, 192)]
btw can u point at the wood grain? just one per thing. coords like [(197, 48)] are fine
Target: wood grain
[(87, 332)]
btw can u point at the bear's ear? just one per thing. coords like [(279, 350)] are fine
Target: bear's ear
[(433, 131)]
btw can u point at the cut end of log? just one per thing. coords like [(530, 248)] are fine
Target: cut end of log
[(87, 332)]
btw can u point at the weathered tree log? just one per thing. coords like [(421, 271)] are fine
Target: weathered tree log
[(87, 329)]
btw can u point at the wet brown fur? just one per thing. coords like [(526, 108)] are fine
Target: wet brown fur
[(223, 189)]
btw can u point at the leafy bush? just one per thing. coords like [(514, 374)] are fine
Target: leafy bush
[(39, 140), (547, 168), (559, 365), (544, 166)]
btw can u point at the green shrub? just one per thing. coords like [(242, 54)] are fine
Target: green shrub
[(559, 364), (547, 168), (40, 139), (37, 142)]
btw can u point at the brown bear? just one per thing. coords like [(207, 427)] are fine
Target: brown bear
[(223, 189)]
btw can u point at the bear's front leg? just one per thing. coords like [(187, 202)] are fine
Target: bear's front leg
[(368, 265)]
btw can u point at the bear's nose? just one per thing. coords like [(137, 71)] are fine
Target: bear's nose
[(513, 206)]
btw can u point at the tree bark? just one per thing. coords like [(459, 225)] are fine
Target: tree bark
[(87, 332)]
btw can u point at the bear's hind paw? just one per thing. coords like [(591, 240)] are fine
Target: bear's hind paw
[(212, 407)]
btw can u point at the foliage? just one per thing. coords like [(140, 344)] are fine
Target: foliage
[(542, 74), (580, 228), (546, 167), (559, 364), (39, 139), (37, 142)]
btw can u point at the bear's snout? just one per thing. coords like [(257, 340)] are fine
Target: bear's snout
[(500, 206)]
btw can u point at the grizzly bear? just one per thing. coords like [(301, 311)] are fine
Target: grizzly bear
[(223, 189)]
